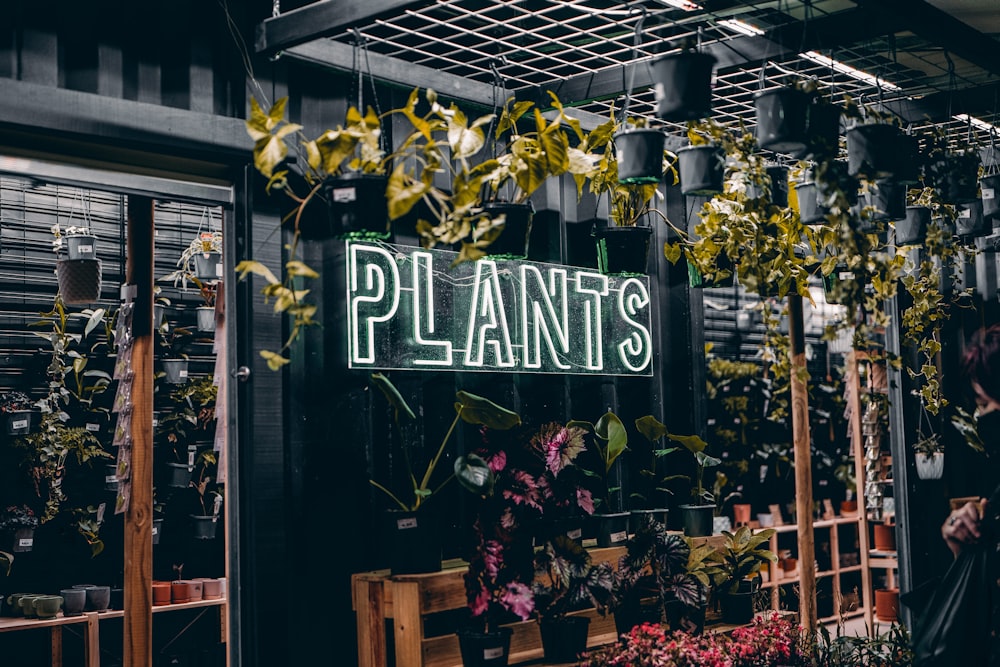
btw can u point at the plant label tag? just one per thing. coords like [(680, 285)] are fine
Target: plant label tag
[(100, 512), (20, 423), (25, 541), (620, 536), (156, 422), (345, 195), (407, 523), (93, 428), (156, 529), (988, 193), (493, 653), (711, 421), (846, 275), (218, 270), (575, 534), (191, 455), (182, 374), (111, 478), (85, 249), (965, 213)]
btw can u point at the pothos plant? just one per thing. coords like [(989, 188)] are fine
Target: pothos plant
[(739, 232)]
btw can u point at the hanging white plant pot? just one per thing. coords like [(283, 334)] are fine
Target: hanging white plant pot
[(206, 318), (208, 265), (930, 466)]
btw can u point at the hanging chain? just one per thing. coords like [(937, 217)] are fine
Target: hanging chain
[(276, 8), (636, 42)]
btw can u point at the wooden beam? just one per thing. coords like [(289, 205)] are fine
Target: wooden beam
[(322, 19), (399, 72), (137, 649), (803, 466)]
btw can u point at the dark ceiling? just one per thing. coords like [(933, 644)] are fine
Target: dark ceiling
[(929, 61)]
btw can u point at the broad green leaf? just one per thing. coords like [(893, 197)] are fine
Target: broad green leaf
[(392, 394), (247, 267), (274, 360), (692, 443), (482, 411), (610, 428), (473, 473), (650, 427), (300, 268)]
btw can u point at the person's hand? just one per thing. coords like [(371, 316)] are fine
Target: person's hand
[(962, 526)]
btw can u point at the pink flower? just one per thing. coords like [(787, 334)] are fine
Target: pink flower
[(497, 462)]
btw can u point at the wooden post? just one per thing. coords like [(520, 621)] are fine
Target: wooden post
[(137, 650), (867, 597), (803, 466)]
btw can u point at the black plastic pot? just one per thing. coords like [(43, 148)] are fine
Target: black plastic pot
[(779, 185), (563, 639), (956, 178), (178, 475), (485, 649), (157, 530), (513, 240), (204, 526), (702, 169), (913, 229), (622, 250), (970, 221), (809, 209), (414, 543), (781, 120), (737, 608), (687, 619), (611, 529), (872, 150), (356, 208), (18, 422), (907, 159), (697, 519), (175, 370), (79, 280), (635, 612), (636, 518), (548, 529), (822, 130), (989, 188), (640, 155), (19, 540), (887, 198), (682, 85), (81, 246)]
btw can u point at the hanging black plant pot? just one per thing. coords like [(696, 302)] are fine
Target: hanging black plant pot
[(970, 222), (779, 185), (907, 169), (18, 422), (822, 130), (682, 85), (781, 120), (872, 150), (957, 179), (702, 169), (357, 208), (883, 201), (513, 240), (622, 250), (989, 188), (485, 649), (79, 280), (913, 228), (640, 155), (81, 246), (810, 210)]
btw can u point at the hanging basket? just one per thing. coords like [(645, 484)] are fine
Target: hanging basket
[(781, 120), (208, 266), (357, 208), (912, 229), (779, 185), (822, 130), (18, 422), (970, 222), (989, 188), (810, 211), (956, 178), (622, 250), (640, 155), (887, 200), (702, 169), (206, 318), (79, 280), (872, 150), (175, 370), (907, 159), (81, 246), (204, 526), (682, 85), (930, 466), (513, 240)]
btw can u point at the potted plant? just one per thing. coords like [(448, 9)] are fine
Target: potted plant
[(16, 408), (989, 182), (17, 525), (78, 269), (740, 561), (610, 440), (206, 312), (954, 174), (872, 144), (209, 496), (187, 417), (701, 164), (782, 117), (344, 168), (651, 484), (202, 258), (698, 515), (652, 575), (682, 83), (929, 456), (415, 547), (174, 363), (623, 241), (567, 580)]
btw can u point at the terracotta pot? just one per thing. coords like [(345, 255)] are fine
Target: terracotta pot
[(180, 591), (789, 564), (161, 593), (848, 507), (741, 514), (885, 537), (887, 604)]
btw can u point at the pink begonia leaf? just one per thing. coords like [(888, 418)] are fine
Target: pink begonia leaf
[(481, 603), (519, 600), (585, 500)]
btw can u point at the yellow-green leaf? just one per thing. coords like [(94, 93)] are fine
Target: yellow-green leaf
[(299, 268), (274, 360), (250, 266)]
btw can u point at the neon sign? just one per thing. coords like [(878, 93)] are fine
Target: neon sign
[(407, 308)]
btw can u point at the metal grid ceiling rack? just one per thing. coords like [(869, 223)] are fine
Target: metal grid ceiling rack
[(927, 66)]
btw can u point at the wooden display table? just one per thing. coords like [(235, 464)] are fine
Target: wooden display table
[(408, 599)]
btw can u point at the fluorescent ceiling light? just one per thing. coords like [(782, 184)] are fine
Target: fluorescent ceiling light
[(852, 72), (739, 26), (682, 4), (981, 124)]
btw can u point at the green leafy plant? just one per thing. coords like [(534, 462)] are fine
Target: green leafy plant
[(187, 414), (567, 579), (742, 556), (650, 480), (610, 442), (473, 472), (89, 527), (696, 446)]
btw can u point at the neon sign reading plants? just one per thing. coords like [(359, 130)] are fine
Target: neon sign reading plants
[(407, 308)]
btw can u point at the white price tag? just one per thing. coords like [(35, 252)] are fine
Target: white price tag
[(493, 653), (575, 534), (988, 193), (93, 428), (182, 374), (85, 249), (25, 541), (406, 524), (111, 478), (965, 213), (156, 529), (218, 270), (20, 423), (345, 195), (619, 537)]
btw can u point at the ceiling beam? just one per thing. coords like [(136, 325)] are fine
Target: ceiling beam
[(941, 29), (338, 55), (323, 19)]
